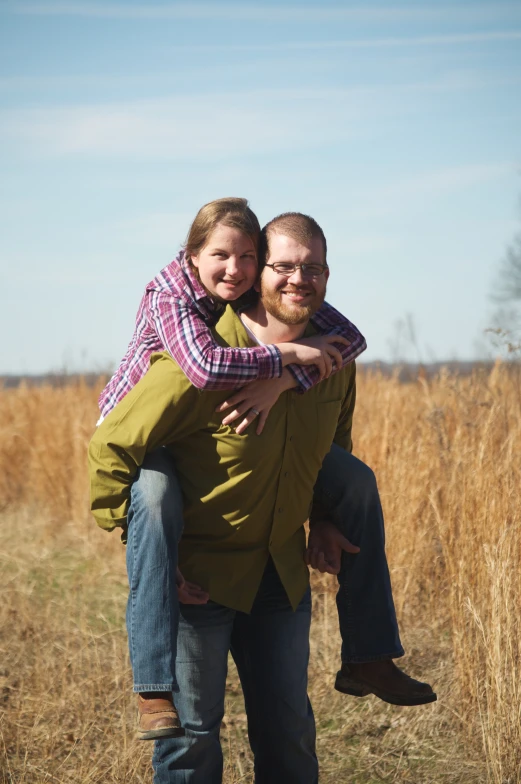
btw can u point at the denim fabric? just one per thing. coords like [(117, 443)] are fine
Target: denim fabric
[(270, 647), (346, 488), (155, 524)]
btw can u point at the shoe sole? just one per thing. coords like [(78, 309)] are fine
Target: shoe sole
[(166, 732), (360, 690)]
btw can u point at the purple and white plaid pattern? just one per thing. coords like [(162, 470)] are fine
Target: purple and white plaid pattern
[(329, 321), (176, 315)]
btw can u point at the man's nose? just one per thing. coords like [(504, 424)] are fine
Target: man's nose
[(296, 277)]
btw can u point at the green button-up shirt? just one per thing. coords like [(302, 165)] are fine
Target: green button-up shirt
[(245, 496)]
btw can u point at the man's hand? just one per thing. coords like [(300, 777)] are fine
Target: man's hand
[(189, 593), (317, 350), (255, 400), (325, 545)]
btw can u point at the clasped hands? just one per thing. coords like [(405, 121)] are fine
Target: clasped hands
[(324, 553), (257, 398), (189, 593), (325, 547)]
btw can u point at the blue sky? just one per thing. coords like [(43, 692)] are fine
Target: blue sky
[(396, 126)]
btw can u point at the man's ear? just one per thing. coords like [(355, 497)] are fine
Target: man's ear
[(326, 273)]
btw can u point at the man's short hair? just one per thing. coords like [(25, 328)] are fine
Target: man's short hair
[(296, 225)]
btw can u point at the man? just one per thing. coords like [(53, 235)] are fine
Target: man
[(246, 499)]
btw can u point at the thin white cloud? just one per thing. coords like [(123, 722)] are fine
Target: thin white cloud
[(187, 126), (389, 42), (394, 197), (190, 11), (228, 125), (264, 12), (460, 78), (447, 178), (459, 176), (392, 42), (85, 80)]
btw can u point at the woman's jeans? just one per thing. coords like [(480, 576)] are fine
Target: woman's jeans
[(270, 647), (346, 489), (155, 525)]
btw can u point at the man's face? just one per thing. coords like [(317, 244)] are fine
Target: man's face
[(295, 298)]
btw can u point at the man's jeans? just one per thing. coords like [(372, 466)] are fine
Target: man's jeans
[(270, 647), (346, 488)]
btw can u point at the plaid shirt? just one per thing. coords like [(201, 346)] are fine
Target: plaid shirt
[(176, 315)]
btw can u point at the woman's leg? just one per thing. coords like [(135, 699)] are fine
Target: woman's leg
[(346, 490), (348, 494), (155, 524)]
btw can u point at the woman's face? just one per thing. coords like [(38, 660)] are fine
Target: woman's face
[(227, 264)]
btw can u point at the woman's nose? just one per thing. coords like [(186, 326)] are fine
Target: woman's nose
[(232, 265)]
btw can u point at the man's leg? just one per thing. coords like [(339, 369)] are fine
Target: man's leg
[(346, 489), (155, 523), (202, 660), (271, 649)]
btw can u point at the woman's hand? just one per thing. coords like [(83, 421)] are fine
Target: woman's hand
[(255, 400), (325, 547), (189, 593), (317, 350)]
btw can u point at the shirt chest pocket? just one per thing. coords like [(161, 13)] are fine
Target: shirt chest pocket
[(327, 415)]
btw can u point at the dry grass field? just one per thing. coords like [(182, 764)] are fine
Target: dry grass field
[(447, 454)]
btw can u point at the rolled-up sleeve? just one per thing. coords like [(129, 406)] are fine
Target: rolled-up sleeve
[(208, 365)]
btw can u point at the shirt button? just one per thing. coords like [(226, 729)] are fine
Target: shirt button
[(290, 438), (281, 509), (286, 474)]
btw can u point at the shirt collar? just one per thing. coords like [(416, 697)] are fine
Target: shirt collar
[(198, 289)]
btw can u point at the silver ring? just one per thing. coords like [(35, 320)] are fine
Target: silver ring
[(254, 411)]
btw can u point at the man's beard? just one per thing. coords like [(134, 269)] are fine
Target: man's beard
[(294, 314)]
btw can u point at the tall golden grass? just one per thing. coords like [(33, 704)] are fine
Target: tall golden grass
[(447, 454)]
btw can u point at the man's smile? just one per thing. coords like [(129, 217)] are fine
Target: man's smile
[(296, 295)]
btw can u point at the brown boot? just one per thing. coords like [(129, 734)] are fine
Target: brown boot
[(157, 717), (386, 681)]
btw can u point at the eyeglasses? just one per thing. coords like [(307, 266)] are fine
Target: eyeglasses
[(308, 269)]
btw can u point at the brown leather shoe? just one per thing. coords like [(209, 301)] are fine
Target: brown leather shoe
[(386, 681), (158, 717)]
